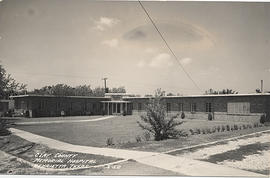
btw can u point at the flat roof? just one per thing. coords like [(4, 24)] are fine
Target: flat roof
[(55, 96), (128, 97), (198, 96)]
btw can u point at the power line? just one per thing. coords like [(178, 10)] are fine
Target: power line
[(175, 57)]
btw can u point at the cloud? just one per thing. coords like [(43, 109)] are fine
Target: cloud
[(184, 34), (112, 43), (135, 34), (141, 64), (150, 50), (185, 61), (105, 22), (161, 60)]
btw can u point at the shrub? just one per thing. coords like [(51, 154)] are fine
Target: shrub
[(223, 128), (210, 116), (214, 129), (183, 115), (218, 128), (240, 127), (4, 128), (182, 134), (109, 141), (147, 136), (155, 120), (235, 127), (191, 131), (228, 128), (263, 119), (260, 125), (203, 131), (138, 138), (198, 131), (250, 126), (255, 125), (208, 131), (244, 126)]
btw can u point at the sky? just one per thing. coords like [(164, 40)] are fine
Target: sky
[(220, 44)]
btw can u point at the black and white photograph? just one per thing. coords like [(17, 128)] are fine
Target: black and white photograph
[(134, 88)]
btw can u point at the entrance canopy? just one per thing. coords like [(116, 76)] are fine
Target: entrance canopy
[(115, 107)]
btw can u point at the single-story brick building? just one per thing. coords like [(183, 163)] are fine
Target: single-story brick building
[(239, 107)]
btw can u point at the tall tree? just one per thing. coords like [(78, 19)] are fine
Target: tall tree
[(223, 91), (8, 85)]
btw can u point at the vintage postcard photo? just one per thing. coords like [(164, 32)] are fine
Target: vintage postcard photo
[(134, 88)]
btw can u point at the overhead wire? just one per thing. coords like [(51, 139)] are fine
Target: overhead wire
[(167, 45)]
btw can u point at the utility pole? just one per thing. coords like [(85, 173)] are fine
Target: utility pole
[(105, 79), (261, 86)]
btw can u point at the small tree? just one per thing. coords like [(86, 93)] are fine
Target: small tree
[(155, 120)]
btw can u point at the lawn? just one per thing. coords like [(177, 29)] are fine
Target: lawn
[(40, 119), (123, 129)]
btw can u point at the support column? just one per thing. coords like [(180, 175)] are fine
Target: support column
[(121, 108), (126, 108), (108, 108), (103, 110)]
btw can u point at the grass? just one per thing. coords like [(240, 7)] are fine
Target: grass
[(10, 165), (40, 119), (124, 130), (26, 150)]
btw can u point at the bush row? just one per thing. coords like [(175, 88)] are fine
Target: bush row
[(224, 128)]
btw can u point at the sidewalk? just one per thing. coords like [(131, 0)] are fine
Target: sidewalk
[(177, 164)]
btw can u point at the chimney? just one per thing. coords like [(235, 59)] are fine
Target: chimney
[(261, 86)]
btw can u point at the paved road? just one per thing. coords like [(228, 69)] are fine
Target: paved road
[(180, 165)]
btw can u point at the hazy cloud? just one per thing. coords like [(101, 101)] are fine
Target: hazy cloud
[(161, 60), (141, 63), (135, 34), (185, 61), (150, 50), (105, 22), (112, 43), (182, 34)]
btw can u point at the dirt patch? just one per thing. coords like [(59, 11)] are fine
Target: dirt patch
[(240, 153)]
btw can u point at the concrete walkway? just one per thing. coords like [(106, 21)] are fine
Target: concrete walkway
[(63, 121), (177, 164)]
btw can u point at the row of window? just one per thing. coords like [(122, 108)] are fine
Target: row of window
[(193, 107), (232, 108), (86, 106)]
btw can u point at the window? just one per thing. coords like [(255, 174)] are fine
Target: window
[(193, 107), (57, 105), (168, 107), (238, 108), (71, 106), (42, 104), (180, 106), (139, 106), (208, 107)]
